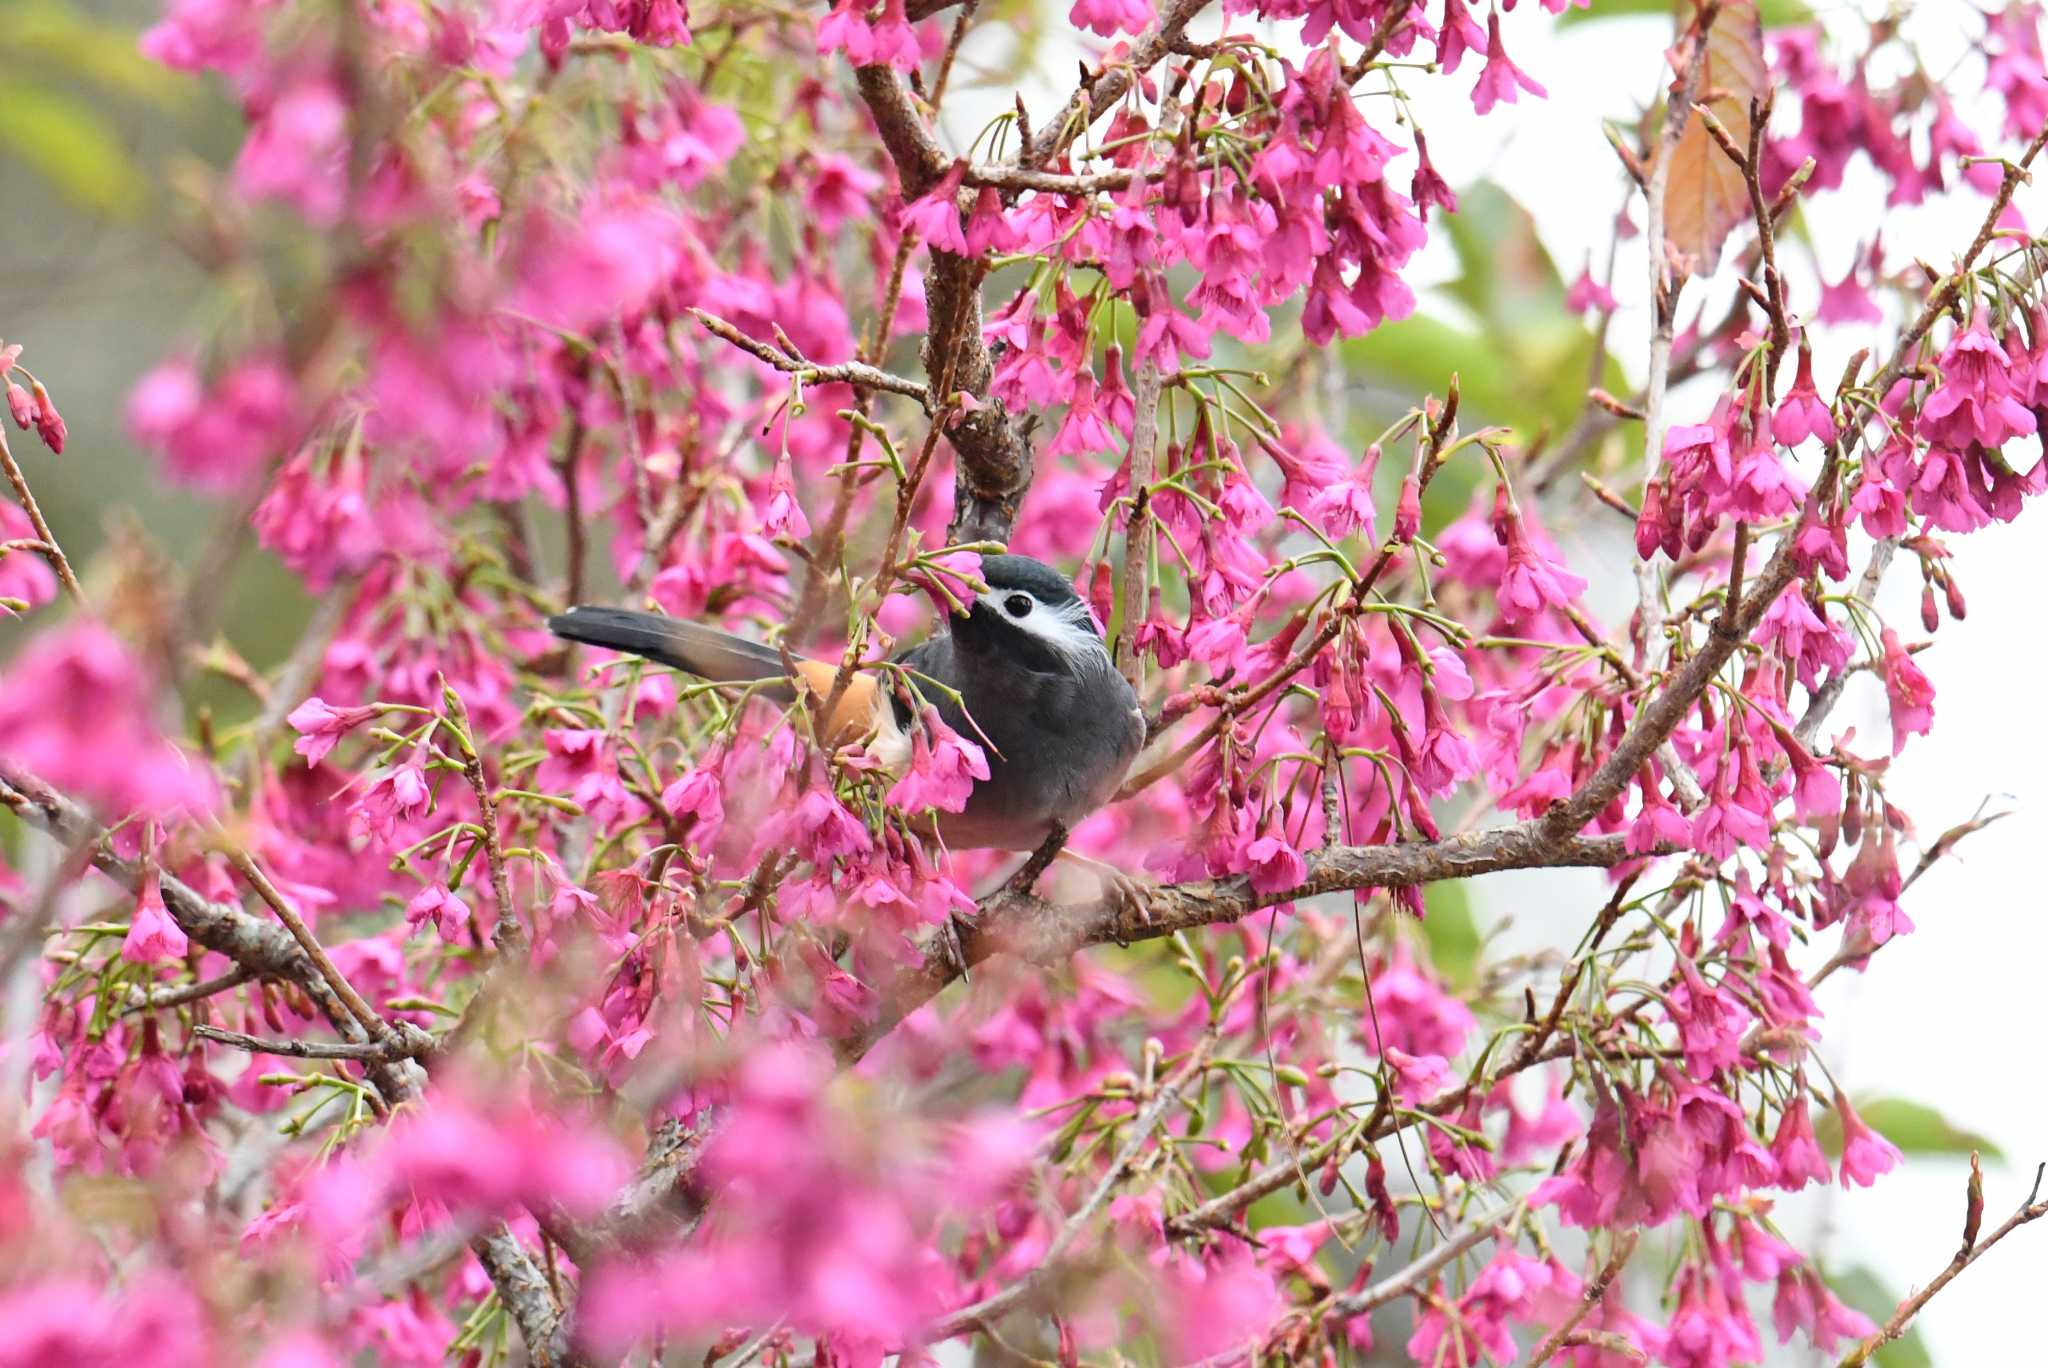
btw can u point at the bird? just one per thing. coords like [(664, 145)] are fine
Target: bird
[(1025, 672)]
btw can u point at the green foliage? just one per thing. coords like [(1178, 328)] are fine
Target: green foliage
[(1913, 1126), (1451, 933), (1774, 13), (60, 124), (1864, 1290), (1523, 359), (70, 145), (58, 41)]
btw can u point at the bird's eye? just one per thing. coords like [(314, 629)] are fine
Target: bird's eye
[(1018, 605)]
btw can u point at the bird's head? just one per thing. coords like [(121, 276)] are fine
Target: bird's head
[(1030, 614)]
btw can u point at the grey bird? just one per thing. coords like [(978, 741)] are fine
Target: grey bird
[(1036, 685)]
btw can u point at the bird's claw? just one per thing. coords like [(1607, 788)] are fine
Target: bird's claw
[(1128, 897), (956, 944)]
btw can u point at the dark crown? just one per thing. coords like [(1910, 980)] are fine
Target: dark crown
[(1034, 577)]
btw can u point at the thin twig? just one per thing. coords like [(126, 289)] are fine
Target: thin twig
[(856, 373), (1100, 90), (49, 549), (365, 1015), (2033, 1209), (406, 1042), (1596, 1290), (1663, 322), (1140, 1135), (1137, 566), (1419, 1274), (158, 1000)]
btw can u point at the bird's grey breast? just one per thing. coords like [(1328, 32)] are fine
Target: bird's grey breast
[(1058, 743)]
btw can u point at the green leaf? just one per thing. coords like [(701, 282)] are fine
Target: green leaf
[(1452, 934), (55, 39), (1775, 13), (1523, 360), (71, 145), (1913, 1126), (1504, 274), (1864, 1290)]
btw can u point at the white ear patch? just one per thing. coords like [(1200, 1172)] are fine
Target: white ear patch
[(1065, 629)]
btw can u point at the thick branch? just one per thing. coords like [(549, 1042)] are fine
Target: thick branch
[(1046, 933), (994, 459), (524, 1289)]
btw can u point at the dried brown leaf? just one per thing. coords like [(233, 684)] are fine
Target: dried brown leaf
[(1704, 197)]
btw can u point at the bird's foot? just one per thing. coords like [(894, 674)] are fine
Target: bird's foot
[(956, 943), (1128, 895)]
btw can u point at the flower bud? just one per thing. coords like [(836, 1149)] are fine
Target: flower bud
[(1408, 513), (49, 423)]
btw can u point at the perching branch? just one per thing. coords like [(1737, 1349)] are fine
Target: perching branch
[(1041, 932)]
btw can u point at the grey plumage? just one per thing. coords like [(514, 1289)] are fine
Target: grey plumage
[(1060, 726), (690, 646), (1058, 742)]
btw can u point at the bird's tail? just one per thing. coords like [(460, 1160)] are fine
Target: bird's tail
[(703, 651)]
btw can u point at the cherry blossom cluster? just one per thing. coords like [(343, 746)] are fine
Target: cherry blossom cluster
[(464, 993)]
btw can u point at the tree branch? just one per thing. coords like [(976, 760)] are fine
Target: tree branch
[(854, 373), (994, 459), (1140, 1135), (1595, 1292), (48, 548), (1099, 90), (1418, 1274), (407, 1042), (268, 951), (161, 998), (2033, 1209), (1041, 932)]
